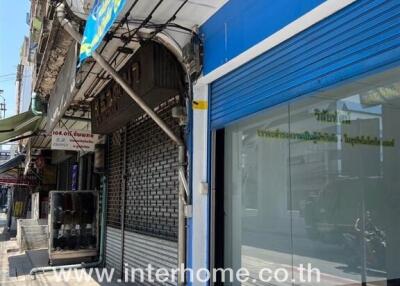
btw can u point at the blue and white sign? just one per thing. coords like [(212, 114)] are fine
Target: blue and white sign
[(99, 22)]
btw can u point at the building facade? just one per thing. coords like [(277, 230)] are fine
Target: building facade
[(294, 159), (135, 172), (286, 113)]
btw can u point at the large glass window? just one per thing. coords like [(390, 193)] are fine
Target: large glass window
[(317, 181)]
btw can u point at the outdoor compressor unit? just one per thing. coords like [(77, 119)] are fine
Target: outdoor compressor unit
[(73, 227)]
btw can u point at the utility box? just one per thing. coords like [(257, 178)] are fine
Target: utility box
[(73, 227)]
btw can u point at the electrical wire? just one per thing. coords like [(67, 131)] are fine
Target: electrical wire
[(107, 41), (7, 75), (171, 27), (13, 79), (172, 18), (130, 36), (127, 41), (146, 20)]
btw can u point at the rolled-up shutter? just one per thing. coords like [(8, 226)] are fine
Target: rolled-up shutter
[(113, 252), (141, 250), (364, 37)]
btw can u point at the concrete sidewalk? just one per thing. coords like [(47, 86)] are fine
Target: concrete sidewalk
[(15, 265)]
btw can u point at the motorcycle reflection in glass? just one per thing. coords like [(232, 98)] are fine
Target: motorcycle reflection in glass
[(375, 242)]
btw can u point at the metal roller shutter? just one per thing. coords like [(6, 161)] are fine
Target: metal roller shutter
[(115, 167), (113, 249), (151, 211), (142, 213), (152, 177), (362, 38), (140, 250)]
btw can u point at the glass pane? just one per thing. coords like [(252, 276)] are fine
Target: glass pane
[(316, 182), (326, 196), (257, 194), (345, 183)]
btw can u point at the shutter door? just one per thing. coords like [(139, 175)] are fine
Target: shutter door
[(363, 37), (113, 249), (152, 177), (151, 210), (149, 202), (141, 250)]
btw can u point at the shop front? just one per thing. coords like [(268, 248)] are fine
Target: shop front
[(302, 148), (314, 181), (142, 163)]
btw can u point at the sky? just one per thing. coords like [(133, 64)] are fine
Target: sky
[(13, 28)]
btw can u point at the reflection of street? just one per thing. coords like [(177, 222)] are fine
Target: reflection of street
[(272, 250), (254, 263), (255, 259)]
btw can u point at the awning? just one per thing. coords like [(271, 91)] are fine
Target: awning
[(18, 126), (12, 163)]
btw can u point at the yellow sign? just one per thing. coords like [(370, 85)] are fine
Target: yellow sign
[(200, 104)]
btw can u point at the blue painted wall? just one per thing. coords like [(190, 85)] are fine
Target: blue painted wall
[(240, 24)]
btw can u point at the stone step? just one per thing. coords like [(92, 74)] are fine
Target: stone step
[(29, 222), (35, 229), (34, 232), (34, 226)]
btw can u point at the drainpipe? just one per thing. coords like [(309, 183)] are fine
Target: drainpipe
[(97, 263), (183, 186), (181, 214)]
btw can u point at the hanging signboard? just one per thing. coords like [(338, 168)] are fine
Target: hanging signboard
[(73, 140), (99, 22)]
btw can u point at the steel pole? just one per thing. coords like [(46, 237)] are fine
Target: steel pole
[(181, 219)]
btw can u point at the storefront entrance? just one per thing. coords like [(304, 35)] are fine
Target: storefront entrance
[(142, 213), (314, 181)]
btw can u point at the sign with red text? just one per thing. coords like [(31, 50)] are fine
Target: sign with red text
[(73, 140)]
